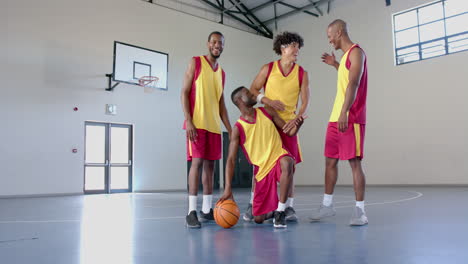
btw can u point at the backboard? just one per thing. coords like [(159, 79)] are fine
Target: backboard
[(133, 62)]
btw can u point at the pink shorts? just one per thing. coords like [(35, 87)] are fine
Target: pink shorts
[(345, 145), (291, 144), (207, 146), (266, 191)]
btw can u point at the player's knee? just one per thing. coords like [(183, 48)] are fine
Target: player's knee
[(288, 165), (331, 163), (196, 163), (209, 164), (355, 164), (259, 219)]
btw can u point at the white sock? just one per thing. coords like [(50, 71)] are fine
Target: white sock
[(207, 199), (251, 197), (327, 199), (281, 207), (360, 204), (290, 202), (192, 203)]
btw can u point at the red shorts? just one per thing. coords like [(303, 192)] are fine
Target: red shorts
[(345, 145), (207, 146), (266, 191), (291, 144)]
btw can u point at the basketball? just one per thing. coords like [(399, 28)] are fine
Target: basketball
[(226, 213)]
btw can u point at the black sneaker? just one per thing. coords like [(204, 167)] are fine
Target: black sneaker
[(192, 220), (206, 217), (290, 214), (279, 220)]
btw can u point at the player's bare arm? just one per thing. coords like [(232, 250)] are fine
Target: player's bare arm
[(356, 58), (224, 115), (257, 86), (186, 89), (305, 98), (230, 163)]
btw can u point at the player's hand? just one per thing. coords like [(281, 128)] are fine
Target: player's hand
[(343, 122), (191, 131), (275, 104), (294, 123), (329, 59), (227, 195)]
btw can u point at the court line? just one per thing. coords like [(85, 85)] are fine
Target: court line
[(379, 203), (39, 221), (175, 206), (418, 195), (17, 240), (296, 204)]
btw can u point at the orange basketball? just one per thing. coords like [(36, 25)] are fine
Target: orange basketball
[(226, 213)]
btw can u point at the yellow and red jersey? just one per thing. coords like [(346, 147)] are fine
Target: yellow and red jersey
[(357, 112), (285, 87), (207, 89), (260, 142)]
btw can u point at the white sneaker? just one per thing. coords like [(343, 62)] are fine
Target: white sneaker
[(322, 212), (248, 216), (358, 218)]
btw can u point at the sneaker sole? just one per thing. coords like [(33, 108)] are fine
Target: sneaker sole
[(320, 218), (192, 227), (247, 219), (202, 220), (291, 218), (358, 224), (279, 226)]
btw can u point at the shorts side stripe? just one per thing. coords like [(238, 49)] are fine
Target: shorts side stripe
[(357, 133), (190, 148)]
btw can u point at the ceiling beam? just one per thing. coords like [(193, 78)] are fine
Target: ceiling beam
[(297, 8), (317, 8), (271, 2), (231, 7), (300, 9), (238, 9), (253, 26), (247, 10)]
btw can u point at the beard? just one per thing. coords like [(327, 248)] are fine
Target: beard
[(250, 102), (215, 56)]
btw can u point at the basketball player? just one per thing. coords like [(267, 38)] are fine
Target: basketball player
[(345, 133), (283, 82), (257, 133), (204, 108)]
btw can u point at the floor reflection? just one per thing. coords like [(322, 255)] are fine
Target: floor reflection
[(107, 229)]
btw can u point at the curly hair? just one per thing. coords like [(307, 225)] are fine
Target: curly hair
[(286, 38)]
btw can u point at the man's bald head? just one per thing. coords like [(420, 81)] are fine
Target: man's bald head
[(339, 25)]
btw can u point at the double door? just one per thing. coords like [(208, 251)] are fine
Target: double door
[(108, 158)]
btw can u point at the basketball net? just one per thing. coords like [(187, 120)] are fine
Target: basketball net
[(149, 83)]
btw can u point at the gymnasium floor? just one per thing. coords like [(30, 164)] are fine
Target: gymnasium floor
[(406, 225)]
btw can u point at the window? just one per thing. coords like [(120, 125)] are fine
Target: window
[(435, 29)]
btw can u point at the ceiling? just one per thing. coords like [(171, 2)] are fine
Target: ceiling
[(256, 16)]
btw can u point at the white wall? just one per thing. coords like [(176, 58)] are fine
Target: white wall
[(417, 115), (57, 53)]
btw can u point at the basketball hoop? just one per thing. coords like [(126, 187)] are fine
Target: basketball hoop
[(149, 83)]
